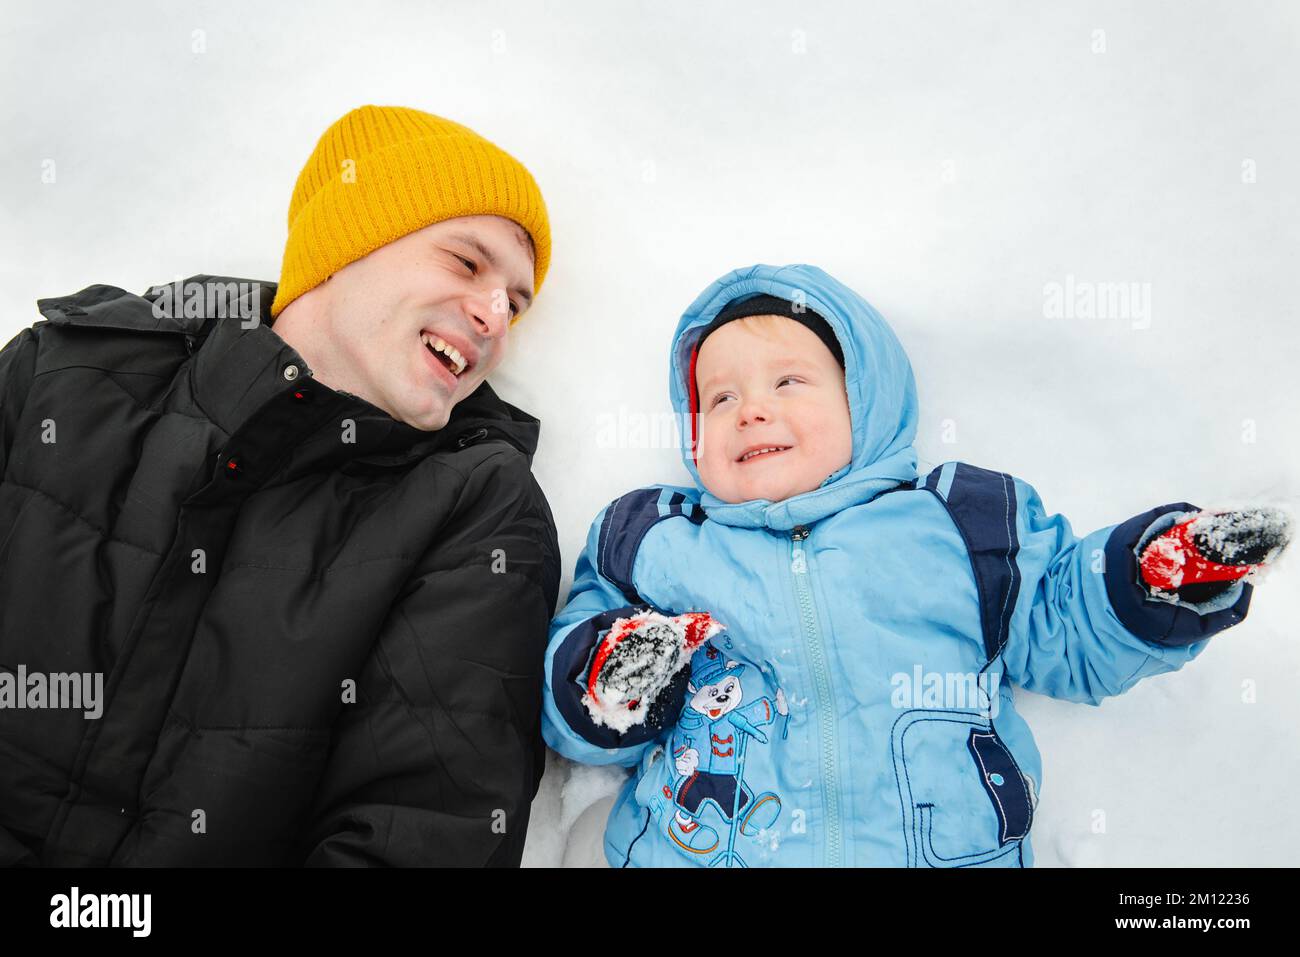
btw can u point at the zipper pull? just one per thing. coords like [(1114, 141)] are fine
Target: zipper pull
[(470, 437), (798, 563)]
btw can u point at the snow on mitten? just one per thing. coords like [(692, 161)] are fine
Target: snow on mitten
[(1202, 556), (637, 659)]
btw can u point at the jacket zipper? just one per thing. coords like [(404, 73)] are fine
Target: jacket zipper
[(822, 692)]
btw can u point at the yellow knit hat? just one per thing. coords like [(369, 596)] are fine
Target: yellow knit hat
[(381, 172)]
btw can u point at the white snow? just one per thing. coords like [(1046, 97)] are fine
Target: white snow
[(957, 168), (1232, 533), (1172, 551)]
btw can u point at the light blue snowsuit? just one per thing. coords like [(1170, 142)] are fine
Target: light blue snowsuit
[(892, 611)]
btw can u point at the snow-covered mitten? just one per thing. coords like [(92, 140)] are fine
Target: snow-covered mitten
[(1204, 555), (637, 659)]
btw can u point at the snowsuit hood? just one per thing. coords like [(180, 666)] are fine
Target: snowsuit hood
[(877, 377)]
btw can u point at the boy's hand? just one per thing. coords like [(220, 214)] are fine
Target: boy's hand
[(1202, 556), (687, 762), (637, 659)]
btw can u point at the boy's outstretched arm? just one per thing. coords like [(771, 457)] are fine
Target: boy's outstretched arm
[(1087, 623), (595, 603)]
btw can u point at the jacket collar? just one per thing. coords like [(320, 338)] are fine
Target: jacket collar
[(239, 366)]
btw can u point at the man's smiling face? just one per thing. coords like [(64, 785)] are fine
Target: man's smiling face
[(416, 325)]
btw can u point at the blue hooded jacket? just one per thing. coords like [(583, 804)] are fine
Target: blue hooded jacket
[(856, 710)]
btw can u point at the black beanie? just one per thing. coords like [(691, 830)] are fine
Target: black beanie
[(765, 305)]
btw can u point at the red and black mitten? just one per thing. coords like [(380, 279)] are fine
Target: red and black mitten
[(1203, 556), (637, 659)]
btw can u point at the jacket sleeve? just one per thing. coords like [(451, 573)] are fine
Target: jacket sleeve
[(1085, 625), (594, 604), (17, 366), (439, 758)]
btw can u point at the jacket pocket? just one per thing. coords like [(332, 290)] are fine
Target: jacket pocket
[(649, 789), (963, 798), (629, 831)]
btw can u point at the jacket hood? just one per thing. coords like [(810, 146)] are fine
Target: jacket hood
[(877, 377), (481, 415)]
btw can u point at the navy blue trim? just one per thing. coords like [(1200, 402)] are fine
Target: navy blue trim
[(691, 511), (983, 507), (626, 521), (1151, 619), (1009, 794)]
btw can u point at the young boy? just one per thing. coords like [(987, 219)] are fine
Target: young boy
[(806, 657)]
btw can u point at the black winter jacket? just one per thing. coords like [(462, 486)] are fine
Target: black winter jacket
[(320, 630)]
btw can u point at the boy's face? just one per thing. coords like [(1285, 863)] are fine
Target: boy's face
[(769, 383), (461, 280)]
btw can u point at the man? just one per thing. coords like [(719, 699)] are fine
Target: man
[(284, 538)]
